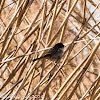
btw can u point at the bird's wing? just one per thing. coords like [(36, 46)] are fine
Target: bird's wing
[(51, 51)]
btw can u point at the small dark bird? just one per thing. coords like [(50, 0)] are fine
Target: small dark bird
[(54, 53)]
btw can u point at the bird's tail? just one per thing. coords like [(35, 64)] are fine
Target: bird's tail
[(37, 58)]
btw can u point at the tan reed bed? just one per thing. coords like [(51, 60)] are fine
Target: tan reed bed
[(28, 28)]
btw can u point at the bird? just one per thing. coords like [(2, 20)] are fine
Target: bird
[(54, 54)]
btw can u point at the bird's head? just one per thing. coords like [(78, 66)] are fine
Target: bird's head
[(59, 45)]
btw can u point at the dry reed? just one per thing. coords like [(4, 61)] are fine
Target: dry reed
[(28, 28)]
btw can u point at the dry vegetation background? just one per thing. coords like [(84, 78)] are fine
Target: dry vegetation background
[(28, 28)]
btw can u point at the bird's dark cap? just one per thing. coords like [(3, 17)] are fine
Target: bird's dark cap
[(60, 45)]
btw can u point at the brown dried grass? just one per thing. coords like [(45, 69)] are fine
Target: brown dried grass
[(29, 28)]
